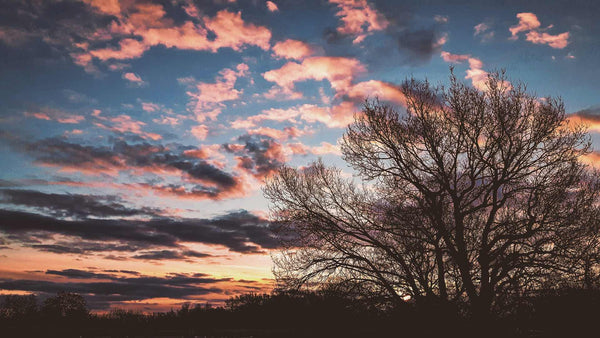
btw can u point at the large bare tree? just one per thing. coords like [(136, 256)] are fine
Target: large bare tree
[(477, 196)]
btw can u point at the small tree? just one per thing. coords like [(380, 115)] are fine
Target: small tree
[(468, 195)]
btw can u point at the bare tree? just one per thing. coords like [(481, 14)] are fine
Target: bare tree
[(466, 195)]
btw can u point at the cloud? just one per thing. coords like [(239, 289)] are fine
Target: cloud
[(150, 107), (440, 18), (72, 205), (559, 41), (259, 155), (454, 58), (170, 255), (339, 71), (134, 79), (278, 134), (207, 102), (338, 116), (484, 32), (476, 74), (103, 289), (128, 49), (528, 22), (121, 156), (271, 6), (50, 114), (200, 132), (326, 148), (385, 91), (292, 49), (140, 26), (358, 19), (125, 124), (239, 231), (420, 45), (111, 7), (589, 117)]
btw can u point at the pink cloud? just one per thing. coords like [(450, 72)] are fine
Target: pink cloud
[(440, 18), (125, 124), (358, 18), (278, 134), (292, 49), (134, 78), (146, 25), (271, 132), (559, 41), (207, 102), (231, 31), (111, 7), (454, 58), (200, 132), (326, 148), (56, 115), (168, 120), (480, 28), (339, 71), (128, 49), (150, 107), (271, 6), (477, 75), (528, 22), (380, 89), (483, 31), (297, 148), (338, 116)]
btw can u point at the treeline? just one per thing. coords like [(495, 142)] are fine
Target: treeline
[(556, 313)]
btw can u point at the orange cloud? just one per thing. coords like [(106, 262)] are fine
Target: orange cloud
[(292, 49), (592, 122), (592, 159)]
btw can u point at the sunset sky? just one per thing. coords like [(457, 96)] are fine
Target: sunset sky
[(135, 135)]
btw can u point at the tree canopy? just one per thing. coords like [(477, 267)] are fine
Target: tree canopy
[(464, 195)]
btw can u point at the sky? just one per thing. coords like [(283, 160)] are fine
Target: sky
[(135, 135)]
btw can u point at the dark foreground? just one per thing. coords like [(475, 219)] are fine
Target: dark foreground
[(568, 313)]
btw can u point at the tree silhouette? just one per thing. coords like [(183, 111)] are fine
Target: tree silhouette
[(18, 306), (468, 195), (66, 304)]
